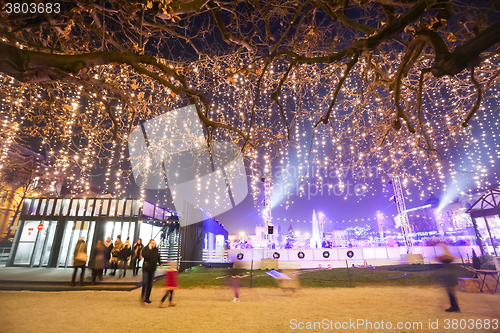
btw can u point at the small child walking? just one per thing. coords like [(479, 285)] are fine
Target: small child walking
[(170, 284)]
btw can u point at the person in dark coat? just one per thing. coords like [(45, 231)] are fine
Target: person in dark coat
[(124, 257), (476, 262), (98, 261), (171, 228), (151, 260), (80, 250), (108, 247), (137, 256), (163, 234), (449, 279)]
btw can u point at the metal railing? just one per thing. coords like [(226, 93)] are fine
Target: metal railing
[(4, 255), (215, 256)]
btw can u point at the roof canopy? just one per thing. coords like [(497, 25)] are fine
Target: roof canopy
[(487, 205)]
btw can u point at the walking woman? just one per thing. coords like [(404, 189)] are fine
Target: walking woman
[(151, 260), (79, 260), (137, 256)]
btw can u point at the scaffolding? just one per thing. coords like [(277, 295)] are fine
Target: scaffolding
[(402, 217)]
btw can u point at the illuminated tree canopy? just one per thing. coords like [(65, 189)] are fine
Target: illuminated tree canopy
[(391, 83)]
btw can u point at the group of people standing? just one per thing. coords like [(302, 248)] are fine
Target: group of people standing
[(118, 254), (114, 256)]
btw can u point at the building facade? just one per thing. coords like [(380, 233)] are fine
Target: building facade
[(49, 228)]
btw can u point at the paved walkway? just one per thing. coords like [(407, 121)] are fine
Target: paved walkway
[(59, 279), (360, 309)]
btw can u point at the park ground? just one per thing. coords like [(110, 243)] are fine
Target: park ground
[(261, 310)]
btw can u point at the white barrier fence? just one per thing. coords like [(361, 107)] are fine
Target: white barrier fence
[(341, 254)]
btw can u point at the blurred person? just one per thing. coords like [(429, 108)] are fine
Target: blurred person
[(163, 234), (136, 256), (151, 260), (289, 281), (108, 247), (115, 254), (234, 282), (476, 262), (170, 284), (124, 257), (171, 229), (98, 260), (449, 278), (79, 260)]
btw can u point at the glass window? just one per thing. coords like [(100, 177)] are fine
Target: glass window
[(27, 205), (156, 234), (145, 232), (81, 207), (137, 206), (131, 233), (48, 244), (121, 204), (81, 229), (125, 231), (75, 233), (220, 242), (26, 243), (97, 207), (128, 207), (148, 209), (74, 204), (50, 206), (158, 213), (90, 205), (65, 205), (58, 206), (34, 207), (40, 243), (42, 207), (108, 230), (112, 208), (65, 243), (117, 231), (90, 236), (105, 205)]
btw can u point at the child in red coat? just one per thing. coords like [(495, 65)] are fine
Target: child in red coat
[(170, 284)]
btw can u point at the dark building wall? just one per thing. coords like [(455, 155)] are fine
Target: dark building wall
[(191, 245), (193, 241)]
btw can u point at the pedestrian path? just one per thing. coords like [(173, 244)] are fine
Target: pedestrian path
[(59, 279)]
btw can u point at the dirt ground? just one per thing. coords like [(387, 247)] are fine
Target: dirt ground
[(260, 310)]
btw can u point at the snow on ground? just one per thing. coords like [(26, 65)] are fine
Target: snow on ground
[(260, 310)]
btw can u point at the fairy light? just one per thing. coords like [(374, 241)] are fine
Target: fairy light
[(354, 140)]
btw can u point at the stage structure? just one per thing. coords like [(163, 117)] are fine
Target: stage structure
[(487, 206), (402, 218)]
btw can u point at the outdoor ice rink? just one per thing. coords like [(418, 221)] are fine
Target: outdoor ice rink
[(260, 310)]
